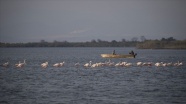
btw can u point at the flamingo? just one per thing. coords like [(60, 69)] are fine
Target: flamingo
[(118, 64), (102, 64), (123, 64), (88, 64), (139, 63), (62, 63), (164, 64), (178, 64), (56, 65), (94, 65), (158, 64), (5, 64), (19, 65), (77, 64), (44, 65), (128, 64), (147, 64), (169, 64), (111, 64)]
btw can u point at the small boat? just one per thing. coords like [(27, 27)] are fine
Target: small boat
[(118, 56)]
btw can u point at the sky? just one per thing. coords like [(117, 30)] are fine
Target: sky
[(84, 20)]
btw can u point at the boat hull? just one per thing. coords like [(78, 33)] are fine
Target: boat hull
[(117, 56)]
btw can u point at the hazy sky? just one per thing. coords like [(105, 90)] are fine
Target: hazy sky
[(84, 20)]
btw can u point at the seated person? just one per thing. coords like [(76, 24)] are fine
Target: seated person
[(114, 52), (132, 53)]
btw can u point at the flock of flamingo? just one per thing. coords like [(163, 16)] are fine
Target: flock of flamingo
[(101, 64), (126, 64)]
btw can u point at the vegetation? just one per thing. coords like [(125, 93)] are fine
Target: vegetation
[(93, 43), (169, 43)]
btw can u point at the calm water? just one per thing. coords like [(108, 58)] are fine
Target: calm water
[(103, 85)]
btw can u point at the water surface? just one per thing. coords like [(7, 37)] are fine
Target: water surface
[(72, 85)]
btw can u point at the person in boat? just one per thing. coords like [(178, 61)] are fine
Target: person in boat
[(132, 52), (114, 53)]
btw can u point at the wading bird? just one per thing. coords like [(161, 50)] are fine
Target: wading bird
[(44, 65), (19, 65), (5, 64), (88, 64)]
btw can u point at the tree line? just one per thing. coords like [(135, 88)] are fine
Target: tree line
[(168, 43), (92, 43)]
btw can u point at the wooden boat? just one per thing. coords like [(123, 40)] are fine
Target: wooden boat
[(118, 56)]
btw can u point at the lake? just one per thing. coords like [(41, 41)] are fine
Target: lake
[(33, 84)]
